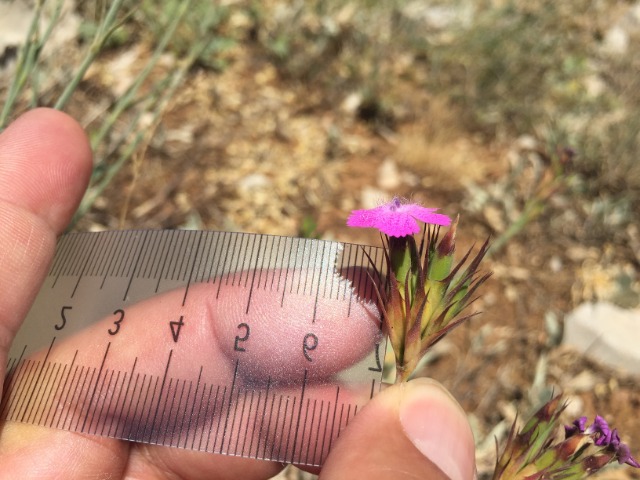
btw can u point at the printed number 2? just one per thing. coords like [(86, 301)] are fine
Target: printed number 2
[(245, 337)]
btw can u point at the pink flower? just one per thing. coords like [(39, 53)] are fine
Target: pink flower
[(397, 219)]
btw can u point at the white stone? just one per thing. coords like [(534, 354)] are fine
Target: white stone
[(616, 41), (389, 177), (605, 333)]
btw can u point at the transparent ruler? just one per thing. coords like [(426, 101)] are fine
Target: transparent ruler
[(240, 344)]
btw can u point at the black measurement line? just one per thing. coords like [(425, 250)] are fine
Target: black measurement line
[(275, 428), (213, 416), (52, 406), (64, 390), (284, 423), (165, 257), (263, 416), (304, 429), (23, 387), (200, 404), (93, 393), (43, 388), (138, 256), (195, 395), (253, 277), (195, 257), (226, 420), (333, 420), (50, 391), (222, 402), (315, 447), (143, 421), (84, 400), (67, 392), (304, 386), (31, 407), (104, 403), (233, 421), (183, 411), (255, 424), (164, 380), (179, 412), (39, 375), (95, 409), (246, 428), (293, 408), (173, 401), (126, 397), (131, 420)]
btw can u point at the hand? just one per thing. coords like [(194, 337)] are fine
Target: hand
[(413, 430)]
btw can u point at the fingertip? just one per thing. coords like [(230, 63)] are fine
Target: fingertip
[(410, 430), (45, 164), (437, 426)]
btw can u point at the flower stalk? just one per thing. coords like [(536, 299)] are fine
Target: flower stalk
[(425, 290)]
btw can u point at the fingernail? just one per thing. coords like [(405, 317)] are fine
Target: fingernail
[(434, 422)]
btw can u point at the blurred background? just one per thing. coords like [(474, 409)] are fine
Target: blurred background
[(279, 117)]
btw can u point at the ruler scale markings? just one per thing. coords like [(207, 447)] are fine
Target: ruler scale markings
[(204, 257), (275, 243), (286, 274), (54, 398), (317, 435), (164, 380), (333, 420), (232, 248), (35, 395), (145, 412), (273, 402), (339, 422), (304, 386), (190, 254), (179, 416), (111, 394), (60, 257), (304, 428), (193, 266), (275, 428), (100, 398), (246, 267), (39, 375), (286, 448), (127, 416), (175, 259), (130, 262), (255, 424), (132, 272), (184, 415), (195, 396), (80, 415), (213, 416), (85, 262), (226, 420), (123, 252), (124, 401), (161, 424), (200, 407), (246, 428), (111, 259), (315, 302), (93, 392), (217, 252), (99, 255), (112, 414), (269, 241), (163, 259), (111, 270), (233, 420), (65, 390), (324, 433), (142, 256), (221, 269), (24, 370), (138, 418), (219, 417), (72, 399), (263, 416), (178, 413), (253, 276), (158, 430), (131, 419), (284, 423), (46, 394), (156, 242)]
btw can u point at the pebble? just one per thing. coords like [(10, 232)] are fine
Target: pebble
[(605, 333)]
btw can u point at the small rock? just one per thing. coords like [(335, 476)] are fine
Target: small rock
[(605, 333), (616, 41), (389, 177)]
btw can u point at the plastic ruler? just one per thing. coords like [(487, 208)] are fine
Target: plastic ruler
[(241, 344)]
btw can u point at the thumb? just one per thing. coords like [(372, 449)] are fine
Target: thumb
[(410, 430)]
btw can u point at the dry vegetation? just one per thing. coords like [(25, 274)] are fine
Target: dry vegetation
[(296, 112)]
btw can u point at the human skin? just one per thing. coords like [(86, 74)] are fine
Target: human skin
[(408, 431)]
